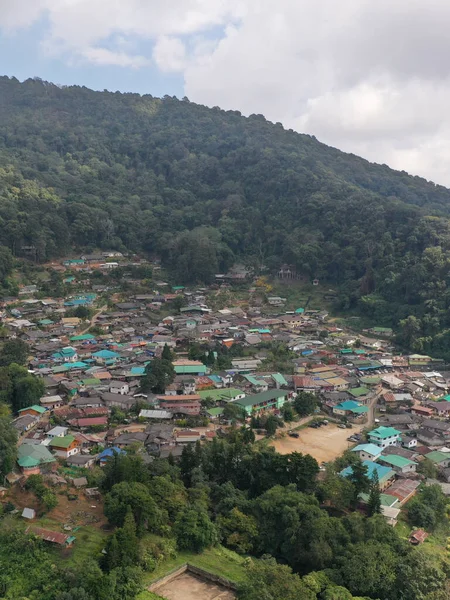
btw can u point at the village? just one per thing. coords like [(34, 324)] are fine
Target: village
[(240, 354)]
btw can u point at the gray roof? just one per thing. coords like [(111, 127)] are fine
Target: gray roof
[(155, 414), (28, 513)]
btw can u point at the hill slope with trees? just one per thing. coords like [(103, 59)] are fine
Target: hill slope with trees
[(203, 188)]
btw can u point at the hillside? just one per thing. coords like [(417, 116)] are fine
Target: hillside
[(203, 187)]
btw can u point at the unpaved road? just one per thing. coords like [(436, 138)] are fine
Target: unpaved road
[(93, 320)]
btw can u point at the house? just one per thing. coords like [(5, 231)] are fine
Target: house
[(51, 402), (189, 367), (175, 406), (398, 463), (29, 514), (224, 395), (384, 436), (84, 422), (440, 459), (81, 461), (66, 355), (385, 474), (155, 414), (418, 537), (33, 458), (442, 409), (430, 438), (119, 387), (393, 382), (187, 436), (126, 439), (367, 451), (54, 537), (65, 446), (403, 489), (409, 442), (34, 411), (108, 453), (119, 400), (270, 400), (349, 408), (25, 423), (57, 432), (105, 357), (306, 384), (359, 392)]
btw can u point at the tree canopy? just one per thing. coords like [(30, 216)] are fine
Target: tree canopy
[(203, 187)]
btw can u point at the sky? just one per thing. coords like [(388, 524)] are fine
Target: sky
[(368, 77)]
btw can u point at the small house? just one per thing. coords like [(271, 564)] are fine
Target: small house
[(65, 446)]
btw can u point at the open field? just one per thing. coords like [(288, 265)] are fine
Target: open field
[(189, 587), (83, 514), (324, 444)]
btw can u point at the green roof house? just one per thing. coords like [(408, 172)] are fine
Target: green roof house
[(32, 457), (398, 463), (384, 436), (270, 400)]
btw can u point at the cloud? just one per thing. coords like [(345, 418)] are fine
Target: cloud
[(368, 77), (103, 56), (169, 54)]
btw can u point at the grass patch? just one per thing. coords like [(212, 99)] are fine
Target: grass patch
[(146, 595), (89, 543), (217, 560)]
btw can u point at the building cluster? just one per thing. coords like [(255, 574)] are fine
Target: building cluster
[(92, 370)]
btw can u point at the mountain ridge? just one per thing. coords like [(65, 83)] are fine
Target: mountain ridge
[(203, 187)]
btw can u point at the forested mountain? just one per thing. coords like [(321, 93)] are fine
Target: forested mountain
[(203, 187)]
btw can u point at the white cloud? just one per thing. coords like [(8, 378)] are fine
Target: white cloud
[(169, 54), (102, 57), (368, 77)]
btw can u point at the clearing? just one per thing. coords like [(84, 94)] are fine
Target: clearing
[(187, 586), (324, 444), (84, 516)]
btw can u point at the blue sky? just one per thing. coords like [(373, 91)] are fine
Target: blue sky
[(367, 77), (22, 56)]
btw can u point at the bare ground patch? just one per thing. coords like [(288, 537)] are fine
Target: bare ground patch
[(324, 444), (189, 587)]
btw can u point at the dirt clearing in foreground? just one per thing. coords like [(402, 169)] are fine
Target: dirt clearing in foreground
[(188, 587)]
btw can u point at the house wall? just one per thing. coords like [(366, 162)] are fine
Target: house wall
[(390, 441)]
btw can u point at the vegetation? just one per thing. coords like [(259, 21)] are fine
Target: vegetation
[(8, 446), (203, 187)]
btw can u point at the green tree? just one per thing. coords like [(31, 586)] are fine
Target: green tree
[(49, 500), (127, 540), (194, 530), (166, 353), (14, 351), (271, 425), (378, 577), (374, 502), (267, 580), (159, 373), (240, 531), (359, 479), (287, 413), (136, 496), (8, 446), (305, 404), (233, 412)]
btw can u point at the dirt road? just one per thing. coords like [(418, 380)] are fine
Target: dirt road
[(94, 319)]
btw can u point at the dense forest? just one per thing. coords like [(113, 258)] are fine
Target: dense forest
[(203, 188)]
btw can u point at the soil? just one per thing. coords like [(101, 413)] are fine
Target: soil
[(324, 444), (188, 587), (82, 511)]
